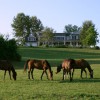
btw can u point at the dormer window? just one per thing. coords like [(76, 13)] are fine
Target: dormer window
[(31, 39)]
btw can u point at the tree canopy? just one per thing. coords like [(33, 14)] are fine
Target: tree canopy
[(71, 28), (47, 35), (23, 24), (88, 34), (36, 24)]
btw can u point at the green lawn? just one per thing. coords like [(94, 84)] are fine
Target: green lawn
[(79, 89)]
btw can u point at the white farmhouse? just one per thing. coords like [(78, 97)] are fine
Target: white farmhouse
[(31, 40)]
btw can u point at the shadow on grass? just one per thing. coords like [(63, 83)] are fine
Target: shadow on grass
[(38, 81), (94, 80)]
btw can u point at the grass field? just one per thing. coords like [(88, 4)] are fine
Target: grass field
[(79, 89)]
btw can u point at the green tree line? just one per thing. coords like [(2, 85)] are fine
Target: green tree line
[(23, 24)]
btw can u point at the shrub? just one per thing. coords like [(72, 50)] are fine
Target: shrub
[(97, 47), (8, 49), (60, 46)]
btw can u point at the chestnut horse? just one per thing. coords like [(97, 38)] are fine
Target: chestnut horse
[(83, 64), (79, 64), (7, 66), (67, 67), (38, 64)]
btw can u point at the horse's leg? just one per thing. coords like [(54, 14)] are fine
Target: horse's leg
[(71, 72), (32, 73), (63, 74), (10, 74), (70, 75), (46, 74), (85, 73), (42, 74), (4, 74), (67, 74), (29, 74), (81, 73)]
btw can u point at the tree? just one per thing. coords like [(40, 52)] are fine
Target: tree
[(23, 24), (88, 34), (8, 49), (69, 28), (2, 47), (36, 24), (47, 35)]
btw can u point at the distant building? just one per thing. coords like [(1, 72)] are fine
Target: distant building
[(68, 39), (31, 40)]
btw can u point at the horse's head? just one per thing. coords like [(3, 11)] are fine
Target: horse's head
[(91, 74), (59, 68), (14, 75)]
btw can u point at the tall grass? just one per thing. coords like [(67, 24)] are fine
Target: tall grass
[(79, 89)]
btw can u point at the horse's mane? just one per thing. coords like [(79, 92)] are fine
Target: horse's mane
[(72, 61)]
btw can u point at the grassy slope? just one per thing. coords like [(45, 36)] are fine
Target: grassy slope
[(56, 55), (23, 89)]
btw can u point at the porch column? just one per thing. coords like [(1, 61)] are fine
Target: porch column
[(64, 41)]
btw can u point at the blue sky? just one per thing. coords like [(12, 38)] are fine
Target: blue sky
[(52, 13)]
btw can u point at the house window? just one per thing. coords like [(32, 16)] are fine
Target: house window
[(70, 37), (59, 38), (73, 37), (31, 39), (77, 37)]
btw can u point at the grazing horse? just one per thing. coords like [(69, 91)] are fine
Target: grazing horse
[(7, 66), (38, 64), (83, 64), (67, 67)]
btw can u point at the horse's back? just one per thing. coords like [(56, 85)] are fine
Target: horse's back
[(5, 65), (82, 63), (39, 64)]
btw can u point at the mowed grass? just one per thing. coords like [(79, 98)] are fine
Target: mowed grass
[(79, 89)]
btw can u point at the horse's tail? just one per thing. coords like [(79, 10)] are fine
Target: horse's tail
[(25, 66)]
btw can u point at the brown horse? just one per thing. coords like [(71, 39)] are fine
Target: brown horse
[(67, 67), (38, 64), (7, 66), (83, 64), (79, 64)]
